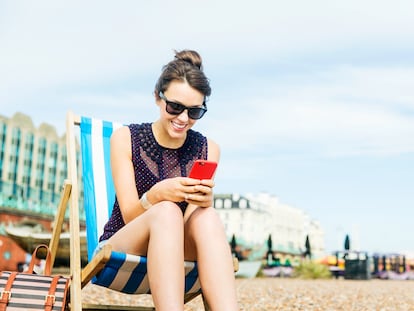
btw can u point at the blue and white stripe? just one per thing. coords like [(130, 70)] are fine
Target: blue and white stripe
[(99, 192)]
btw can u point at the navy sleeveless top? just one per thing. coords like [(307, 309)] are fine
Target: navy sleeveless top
[(153, 163)]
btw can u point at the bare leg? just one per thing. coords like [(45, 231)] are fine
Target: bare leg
[(205, 240), (159, 235)]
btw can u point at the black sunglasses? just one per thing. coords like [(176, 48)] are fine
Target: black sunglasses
[(176, 109)]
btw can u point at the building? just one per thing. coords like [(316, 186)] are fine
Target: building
[(252, 218), (240, 218), (33, 164), (33, 168), (244, 222)]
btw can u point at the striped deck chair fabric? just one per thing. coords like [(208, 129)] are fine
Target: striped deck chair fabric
[(124, 272)]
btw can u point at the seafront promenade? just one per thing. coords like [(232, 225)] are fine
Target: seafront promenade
[(286, 294)]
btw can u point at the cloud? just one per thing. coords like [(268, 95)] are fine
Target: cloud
[(51, 43), (358, 111), (125, 107), (329, 105)]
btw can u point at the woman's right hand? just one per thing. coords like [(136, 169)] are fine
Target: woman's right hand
[(178, 189)]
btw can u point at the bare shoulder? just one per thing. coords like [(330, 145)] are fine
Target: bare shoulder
[(213, 150), (121, 139), (120, 133)]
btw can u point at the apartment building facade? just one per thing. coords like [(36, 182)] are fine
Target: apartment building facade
[(254, 217), (33, 164)]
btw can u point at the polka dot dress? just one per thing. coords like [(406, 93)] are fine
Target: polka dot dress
[(153, 163)]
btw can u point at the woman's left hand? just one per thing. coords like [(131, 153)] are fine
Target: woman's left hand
[(201, 193)]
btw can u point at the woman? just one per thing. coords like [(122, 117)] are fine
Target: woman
[(159, 212)]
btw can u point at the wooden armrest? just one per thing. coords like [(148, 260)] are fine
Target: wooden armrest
[(58, 221), (96, 264), (235, 264)]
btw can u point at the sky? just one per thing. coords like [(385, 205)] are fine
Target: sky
[(312, 101)]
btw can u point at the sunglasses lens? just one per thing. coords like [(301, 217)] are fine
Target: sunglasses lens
[(196, 113), (174, 108)]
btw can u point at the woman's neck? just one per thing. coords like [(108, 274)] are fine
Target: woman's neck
[(163, 138)]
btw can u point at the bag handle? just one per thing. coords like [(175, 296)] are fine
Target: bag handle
[(48, 268)]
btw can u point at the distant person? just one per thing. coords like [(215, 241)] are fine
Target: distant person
[(159, 212)]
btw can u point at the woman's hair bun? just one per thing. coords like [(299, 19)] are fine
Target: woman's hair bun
[(186, 67), (191, 57)]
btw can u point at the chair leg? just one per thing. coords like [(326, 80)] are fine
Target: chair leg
[(58, 221)]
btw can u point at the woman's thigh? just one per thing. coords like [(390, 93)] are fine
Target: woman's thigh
[(134, 237), (199, 223)]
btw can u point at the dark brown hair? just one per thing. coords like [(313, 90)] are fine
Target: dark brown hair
[(186, 67)]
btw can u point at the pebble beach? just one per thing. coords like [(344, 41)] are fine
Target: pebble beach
[(294, 294)]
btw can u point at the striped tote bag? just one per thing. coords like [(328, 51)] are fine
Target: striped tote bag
[(30, 291)]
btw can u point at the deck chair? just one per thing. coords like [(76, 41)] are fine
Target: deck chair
[(118, 271)]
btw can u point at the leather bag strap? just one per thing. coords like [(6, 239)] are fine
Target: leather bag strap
[(6, 293), (50, 298)]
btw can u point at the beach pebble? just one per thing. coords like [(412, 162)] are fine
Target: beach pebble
[(288, 294)]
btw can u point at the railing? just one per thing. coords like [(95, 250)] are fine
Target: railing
[(33, 206)]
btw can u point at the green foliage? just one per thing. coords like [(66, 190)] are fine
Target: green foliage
[(312, 270)]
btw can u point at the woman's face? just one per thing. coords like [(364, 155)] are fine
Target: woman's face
[(179, 92)]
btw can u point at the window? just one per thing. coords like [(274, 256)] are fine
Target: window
[(218, 203), (243, 203)]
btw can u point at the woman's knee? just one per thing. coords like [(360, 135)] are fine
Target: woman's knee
[(165, 213), (203, 220)]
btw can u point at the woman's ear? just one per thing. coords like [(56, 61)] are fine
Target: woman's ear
[(157, 98)]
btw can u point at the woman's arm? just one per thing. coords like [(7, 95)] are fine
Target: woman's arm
[(123, 174)]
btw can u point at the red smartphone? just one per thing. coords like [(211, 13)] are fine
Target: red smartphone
[(203, 169)]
